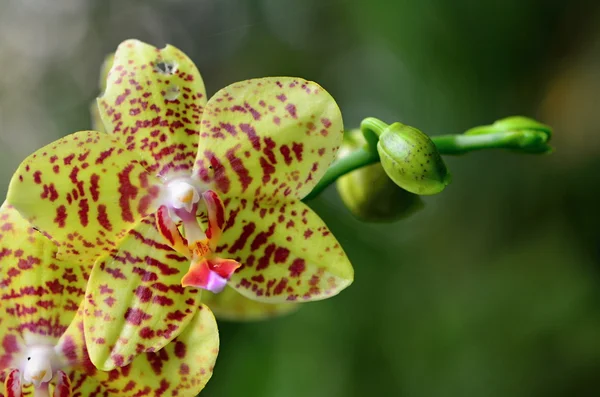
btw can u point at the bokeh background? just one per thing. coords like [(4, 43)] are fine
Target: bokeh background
[(493, 289)]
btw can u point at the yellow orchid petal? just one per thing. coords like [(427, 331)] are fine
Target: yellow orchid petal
[(39, 295), (84, 191), (231, 305), (134, 301), (182, 368), (268, 137), (153, 101), (287, 253), (39, 299)]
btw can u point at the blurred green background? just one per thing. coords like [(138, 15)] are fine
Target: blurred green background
[(493, 288)]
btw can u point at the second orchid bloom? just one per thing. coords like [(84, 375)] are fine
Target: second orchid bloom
[(182, 195)]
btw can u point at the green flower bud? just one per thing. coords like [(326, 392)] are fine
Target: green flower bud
[(411, 160), (525, 134), (369, 193)]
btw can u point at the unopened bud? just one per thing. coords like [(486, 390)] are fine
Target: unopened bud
[(411, 160), (523, 134), (369, 193)]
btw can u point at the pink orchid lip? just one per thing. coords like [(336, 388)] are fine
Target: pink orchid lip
[(200, 274)]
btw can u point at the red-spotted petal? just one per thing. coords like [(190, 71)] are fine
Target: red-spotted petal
[(182, 368), (233, 306), (286, 251), (185, 365), (134, 301), (39, 301), (85, 192), (153, 102), (39, 295), (270, 137)]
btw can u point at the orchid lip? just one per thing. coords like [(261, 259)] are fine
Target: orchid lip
[(213, 282), (179, 213)]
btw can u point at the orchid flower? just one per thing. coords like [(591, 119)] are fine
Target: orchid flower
[(228, 304), (43, 350), (182, 194)]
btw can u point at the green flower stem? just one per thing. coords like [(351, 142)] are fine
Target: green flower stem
[(357, 159), (529, 141), (373, 125)]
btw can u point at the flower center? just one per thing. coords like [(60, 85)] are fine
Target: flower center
[(36, 365), (182, 195), (182, 204), (206, 270)]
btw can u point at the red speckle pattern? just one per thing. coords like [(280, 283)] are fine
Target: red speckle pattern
[(262, 167), (150, 374), (85, 211), (153, 102), (274, 146), (265, 144), (40, 301), (148, 300), (43, 309), (297, 257)]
